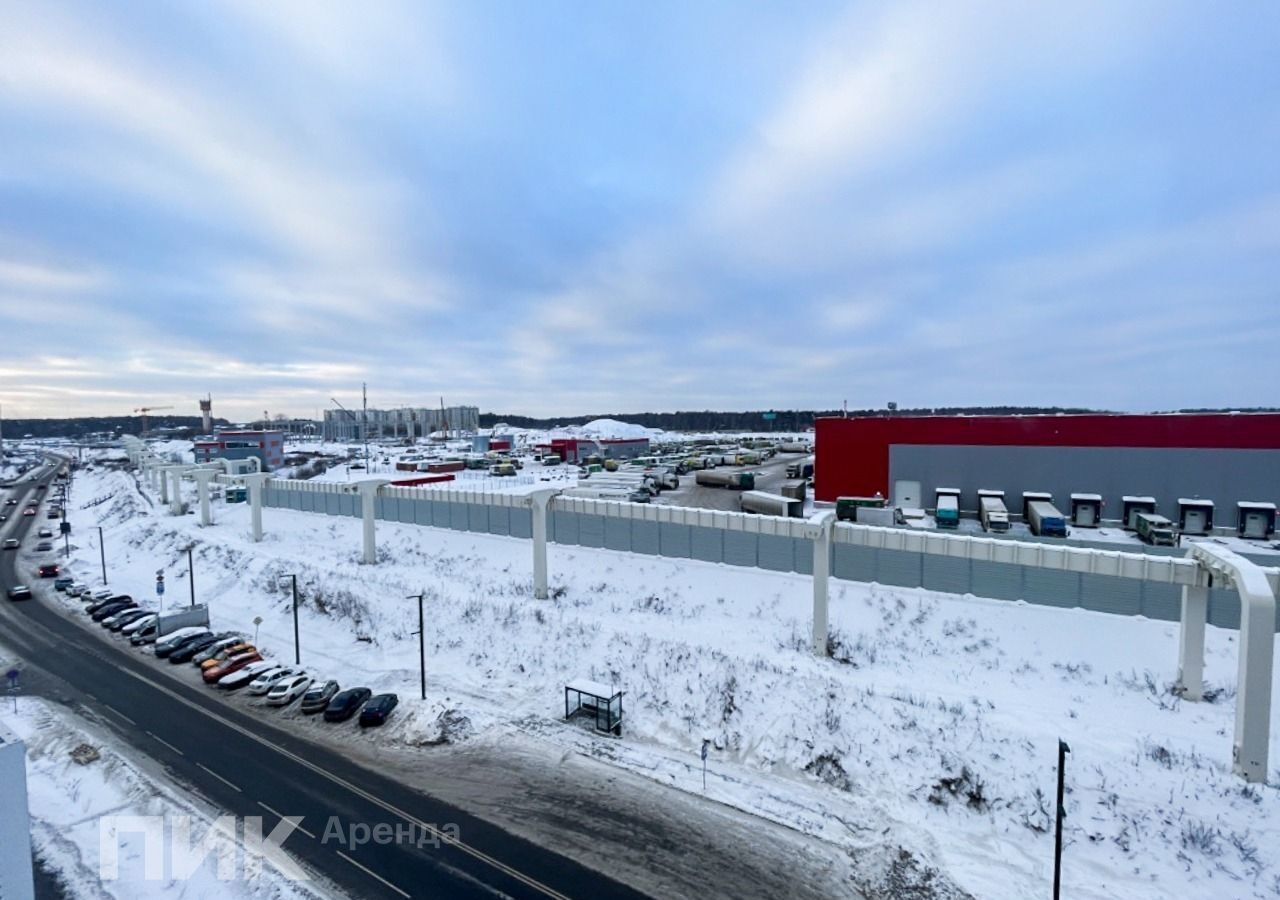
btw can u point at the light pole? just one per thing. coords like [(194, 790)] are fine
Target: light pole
[(422, 644), (191, 572), (1063, 750), (102, 550), (297, 646)]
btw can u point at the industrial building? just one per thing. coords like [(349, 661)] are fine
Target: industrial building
[(404, 422), (267, 446), (1182, 464), (577, 449), (15, 828)]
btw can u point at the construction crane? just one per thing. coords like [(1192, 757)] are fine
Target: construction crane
[(364, 429), (146, 409)]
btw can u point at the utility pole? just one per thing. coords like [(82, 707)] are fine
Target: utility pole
[(364, 424), (191, 572), (422, 645), (297, 646)]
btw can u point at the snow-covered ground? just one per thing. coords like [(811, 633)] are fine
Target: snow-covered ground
[(934, 727), (68, 801)]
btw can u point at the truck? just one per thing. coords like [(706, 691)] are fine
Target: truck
[(991, 511), (947, 514), (1155, 529), (794, 448), (712, 478), (847, 507), (796, 490), (1045, 520), (800, 469), (663, 477), (609, 493), (766, 504)]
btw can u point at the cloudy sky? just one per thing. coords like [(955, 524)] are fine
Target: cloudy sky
[(558, 208)]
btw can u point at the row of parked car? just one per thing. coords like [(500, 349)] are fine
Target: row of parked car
[(229, 662)]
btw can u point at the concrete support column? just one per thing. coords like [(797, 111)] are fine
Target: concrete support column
[(539, 503), (368, 506), (255, 484), (203, 477), (164, 483), (1195, 612), (175, 502), (1253, 699), (821, 579)]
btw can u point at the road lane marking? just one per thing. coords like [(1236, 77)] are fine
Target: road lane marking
[(371, 873), (280, 815), (120, 714), (167, 744), (219, 777)]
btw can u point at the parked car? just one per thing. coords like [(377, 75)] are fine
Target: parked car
[(102, 594), (44, 547), (11, 543), (77, 589), (378, 709), (138, 624), (19, 592), (240, 646), (147, 634), (269, 679), (245, 675), (345, 704), (45, 532), (170, 642), (217, 647), (48, 570), (114, 598), (115, 606), (123, 618), (316, 699), (229, 665), (186, 651), (62, 582), (286, 690)]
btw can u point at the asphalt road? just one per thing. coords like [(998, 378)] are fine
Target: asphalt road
[(247, 767)]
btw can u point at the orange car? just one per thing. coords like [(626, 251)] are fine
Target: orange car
[(229, 665), (226, 653)]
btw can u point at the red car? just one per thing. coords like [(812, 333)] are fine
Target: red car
[(49, 570), (227, 666)]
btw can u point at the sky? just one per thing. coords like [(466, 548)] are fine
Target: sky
[(574, 208)]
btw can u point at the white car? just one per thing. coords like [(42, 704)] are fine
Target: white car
[(138, 624), (242, 677), (268, 679), (77, 589), (286, 690), (166, 643), (104, 594)]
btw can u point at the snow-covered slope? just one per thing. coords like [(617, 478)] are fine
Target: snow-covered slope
[(934, 726)]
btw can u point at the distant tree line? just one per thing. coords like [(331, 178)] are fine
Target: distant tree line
[(783, 420), (84, 425)]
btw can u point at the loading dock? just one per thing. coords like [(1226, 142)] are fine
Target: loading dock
[(1131, 506), (1195, 516), (1255, 521), (1086, 510)]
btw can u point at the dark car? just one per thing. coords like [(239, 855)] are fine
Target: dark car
[(377, 710), (316, 699), (111, 609), (62, 582), (184, 652), (114, 598), (344, 704), (48, 570), (44, 547), (20, 592)]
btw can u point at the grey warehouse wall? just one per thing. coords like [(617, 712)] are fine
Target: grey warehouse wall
[(1223, 476)]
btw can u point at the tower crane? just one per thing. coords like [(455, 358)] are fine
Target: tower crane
[(146, 409)]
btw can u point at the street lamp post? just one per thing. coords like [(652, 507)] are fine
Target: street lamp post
[(297, 646), (422, 645), (102, 550), (1063, 750), (191, 572)]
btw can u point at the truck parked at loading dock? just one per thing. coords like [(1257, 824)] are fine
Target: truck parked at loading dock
[(1045, 520), (992, 512), (947, 508), (1156, 529)]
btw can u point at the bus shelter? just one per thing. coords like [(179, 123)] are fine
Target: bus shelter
[(595, 701)]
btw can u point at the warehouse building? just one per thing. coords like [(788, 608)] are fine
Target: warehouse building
[(403, 422), (1226, 458), (267, 446), (577, 449)]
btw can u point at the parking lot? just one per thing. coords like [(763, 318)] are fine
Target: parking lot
[(769, 477)]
